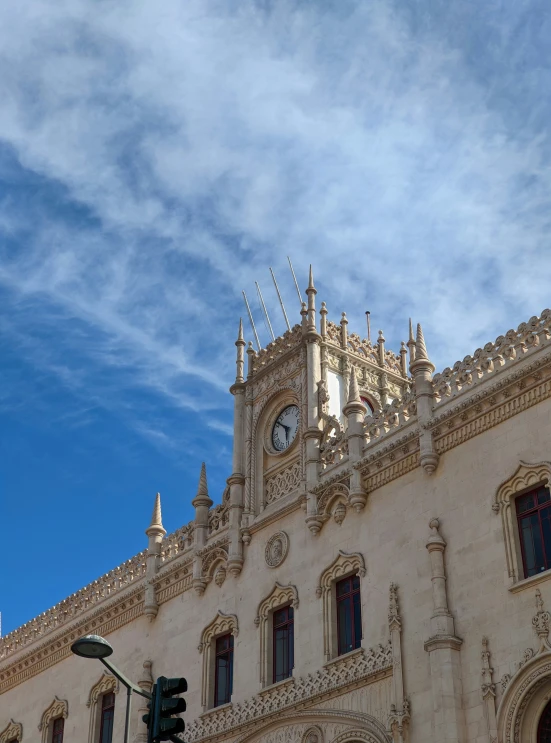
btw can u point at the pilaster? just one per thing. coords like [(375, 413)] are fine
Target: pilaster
[(443, 647)]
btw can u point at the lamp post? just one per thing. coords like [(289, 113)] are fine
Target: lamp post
[(94, 646)]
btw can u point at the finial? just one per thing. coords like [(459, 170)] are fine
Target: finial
[(311, 280), (411, 336), (156, 525), (420, 345), (411, 343), (240, 333), (202, 497)]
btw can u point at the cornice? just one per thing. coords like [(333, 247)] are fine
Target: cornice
[(58, 646)]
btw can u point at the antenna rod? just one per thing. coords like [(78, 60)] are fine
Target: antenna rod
[(367, 314), (296, 282), (280, 300), (265, 310), (251, 320)]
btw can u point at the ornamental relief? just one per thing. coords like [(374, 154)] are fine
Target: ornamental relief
[(276, 549), (13, 732), (283, 482)]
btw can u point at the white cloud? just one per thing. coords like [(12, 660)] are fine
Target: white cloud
[(205, 141)]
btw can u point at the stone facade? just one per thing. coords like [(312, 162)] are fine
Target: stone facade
[(417, 499)]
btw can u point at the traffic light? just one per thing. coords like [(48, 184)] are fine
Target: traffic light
[(160, 723)]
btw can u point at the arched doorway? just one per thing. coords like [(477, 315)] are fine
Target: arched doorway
[(544, 725)]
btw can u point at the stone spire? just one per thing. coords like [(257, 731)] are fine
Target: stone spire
[(240, 361), (420, 345), (311, 294), (411, 343), (202, 497), (355, 411), (156, 525)]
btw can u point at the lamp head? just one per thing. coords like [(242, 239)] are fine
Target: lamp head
[(91, 646)]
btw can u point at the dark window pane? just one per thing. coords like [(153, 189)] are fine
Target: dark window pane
[(528, 546), (107, 725), (538, 542), (223, 670), (343, 587), (57, 736), (546, 531), (525, 503), (356, 583), (344, 624), (543, 496)]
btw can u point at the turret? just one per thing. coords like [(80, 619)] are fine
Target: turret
[(236, 480)]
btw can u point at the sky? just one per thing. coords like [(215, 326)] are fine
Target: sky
[(157, 158)]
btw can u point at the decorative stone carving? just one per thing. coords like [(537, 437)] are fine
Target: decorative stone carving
[(339, 513), (13, 731), (220, 575), (313, 735), (488, 689), (276, 549), (58, 708), (102, 588), (494, 356), (106, 684), (282, 482), (213, 557), (344, 564), (540, 622), (349, 670), (525, 476), (221, 624)]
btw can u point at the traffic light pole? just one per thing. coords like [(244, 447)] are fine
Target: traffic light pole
[(130, 687)]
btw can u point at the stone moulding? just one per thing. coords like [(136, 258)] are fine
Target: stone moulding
[(56, 648), (58, 708), (13, 732), (98, 591), (220, 625), (348, 672)]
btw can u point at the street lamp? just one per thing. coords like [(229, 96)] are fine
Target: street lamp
[(94, 646)]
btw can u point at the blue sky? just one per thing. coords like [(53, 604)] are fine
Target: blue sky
[(156, 159)]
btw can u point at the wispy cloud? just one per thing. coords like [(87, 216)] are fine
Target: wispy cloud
[(160, 161)]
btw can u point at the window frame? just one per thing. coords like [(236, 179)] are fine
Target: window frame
[(343, 566), (222, 624), (349, 598), (534, 510), (219, 654), (289, 625)]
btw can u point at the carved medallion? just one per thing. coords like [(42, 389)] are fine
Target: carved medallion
[(276, 549)]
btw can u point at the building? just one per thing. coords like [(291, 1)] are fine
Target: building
[(377, 569)]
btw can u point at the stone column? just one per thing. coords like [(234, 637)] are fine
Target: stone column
[(443, 648), (355, 412), (201, 503), (237, 480), (155, 532), (422, 369), (145, 682)]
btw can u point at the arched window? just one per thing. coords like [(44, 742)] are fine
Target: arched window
[(107, 716), (57, 732), (544, 727)]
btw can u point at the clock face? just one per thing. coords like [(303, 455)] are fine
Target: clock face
[(285, 428)]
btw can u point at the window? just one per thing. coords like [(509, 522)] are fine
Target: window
[(283, 647), (223, 670), (544, 727), (349, 614), (57, 733), (107, 715), (534, 525)]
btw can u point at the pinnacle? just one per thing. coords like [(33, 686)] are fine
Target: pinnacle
[(156, 524), (202, 497), (240, 336), (420, 345), (311, 279), (411, 336), (202, 488)]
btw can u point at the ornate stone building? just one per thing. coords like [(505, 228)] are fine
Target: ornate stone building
[(376, 570)]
